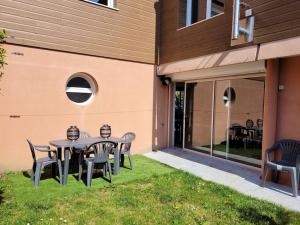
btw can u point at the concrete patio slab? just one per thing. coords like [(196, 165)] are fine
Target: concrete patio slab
[(243, 178)]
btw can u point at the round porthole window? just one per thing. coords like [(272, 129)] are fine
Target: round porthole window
[(80, 88), (229, 96)]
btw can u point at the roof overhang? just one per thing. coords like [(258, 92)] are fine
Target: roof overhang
[(234, 62)]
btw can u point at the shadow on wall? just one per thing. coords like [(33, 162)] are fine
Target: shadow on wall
[(157, 31)]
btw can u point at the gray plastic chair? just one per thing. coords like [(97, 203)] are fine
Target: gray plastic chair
[(39, 164), (290, 161), (84, 134), (102, 150), (129, 137), (83, 152)]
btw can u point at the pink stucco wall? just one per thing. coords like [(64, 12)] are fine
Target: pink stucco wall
[(288, 120), (33, 87), (282, 108)]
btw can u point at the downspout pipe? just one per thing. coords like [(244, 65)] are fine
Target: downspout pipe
[(236, 20)]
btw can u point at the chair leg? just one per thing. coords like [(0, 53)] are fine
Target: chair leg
[(37, 175), (294, 182), (130, 160), (265, 175), (80, 172), (109, 170), (298, 174), (60, 171), (80, 166), (90, 173)]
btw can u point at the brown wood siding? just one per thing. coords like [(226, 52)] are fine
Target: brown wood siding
[(81, 27), (274, 20)]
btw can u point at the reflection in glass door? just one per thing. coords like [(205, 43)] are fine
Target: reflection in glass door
[(198, 116), (245, 121), (221, 116)]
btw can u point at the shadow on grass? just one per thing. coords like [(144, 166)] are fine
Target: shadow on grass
[(1, 196), (253, 215), (46, 174), (97, 174)]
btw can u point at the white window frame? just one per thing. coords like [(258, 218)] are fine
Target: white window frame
[(110, 3), (92, 90), (208, 8)]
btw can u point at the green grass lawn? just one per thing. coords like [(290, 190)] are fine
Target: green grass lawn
[(150, 194)]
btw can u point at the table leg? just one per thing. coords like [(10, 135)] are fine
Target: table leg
[(116, 161), (66, 165)]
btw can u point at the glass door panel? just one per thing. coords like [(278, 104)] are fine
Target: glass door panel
[(198, 116), (221, 116), (245, 123), (178, 114)]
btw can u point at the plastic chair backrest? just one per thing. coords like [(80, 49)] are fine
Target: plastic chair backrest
[(128, 137), (32, 150), (290, 149), (102, 150)]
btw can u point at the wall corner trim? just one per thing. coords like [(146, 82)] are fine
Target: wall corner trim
[(278, 49)]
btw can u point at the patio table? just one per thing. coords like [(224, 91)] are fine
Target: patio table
[(67, 145)]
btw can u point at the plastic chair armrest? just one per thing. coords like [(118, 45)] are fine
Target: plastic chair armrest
[(268, 151), (42, 148)]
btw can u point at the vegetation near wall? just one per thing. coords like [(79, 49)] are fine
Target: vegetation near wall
[(3, 35)]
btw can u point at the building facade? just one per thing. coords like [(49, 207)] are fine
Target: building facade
[(233, 68)]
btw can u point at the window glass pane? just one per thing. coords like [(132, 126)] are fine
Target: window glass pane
[(220, 119), (198, 116), (217, 7), (104, 2), (245, 121), (179, 110), (78, 82), (80, 88), (192, 11), (182, 13), (79, 97)]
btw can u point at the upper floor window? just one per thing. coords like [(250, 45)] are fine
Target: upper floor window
[(108, 3), (192, 11)]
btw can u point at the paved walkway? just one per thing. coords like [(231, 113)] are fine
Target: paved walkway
[(242, 178)]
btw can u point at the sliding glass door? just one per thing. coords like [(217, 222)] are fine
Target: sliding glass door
[(246, 120), (221, 116), (224, 118), (198, 116)]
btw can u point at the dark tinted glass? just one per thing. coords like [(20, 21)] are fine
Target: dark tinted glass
[(79, 97), (194, 11), (104, 2), (78, 82)]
